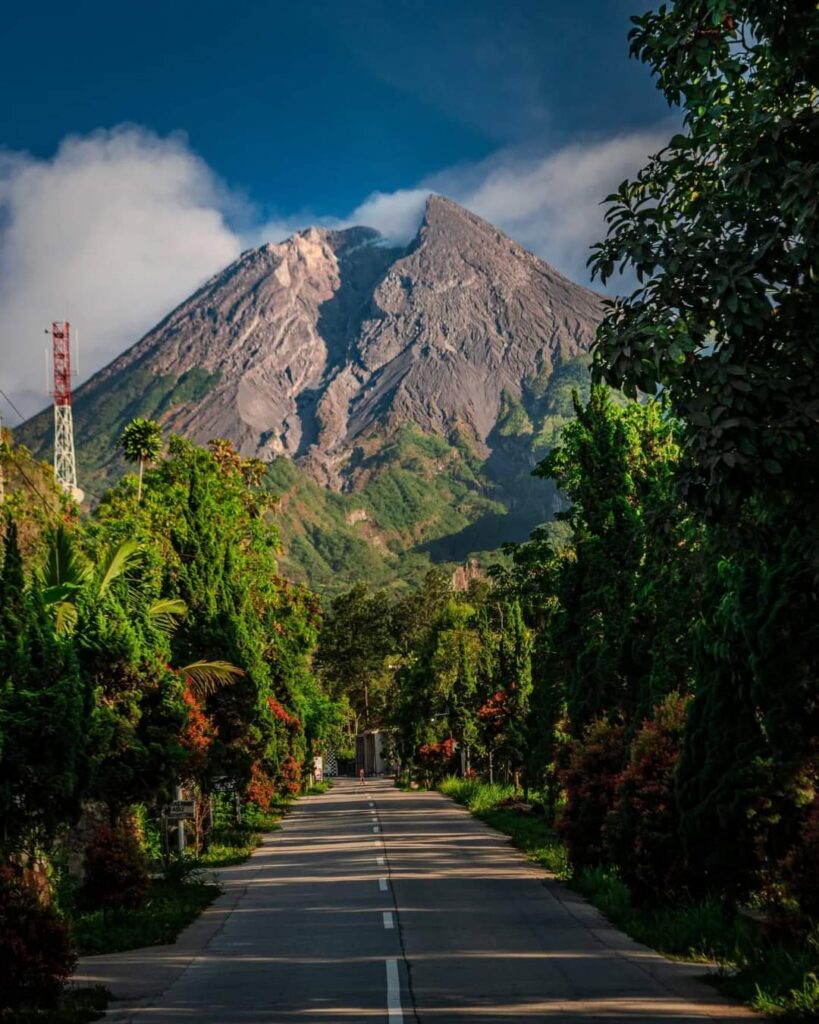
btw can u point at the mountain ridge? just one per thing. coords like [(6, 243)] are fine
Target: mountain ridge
[(325, 348)]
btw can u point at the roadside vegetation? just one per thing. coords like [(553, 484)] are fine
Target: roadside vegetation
[(149, 653), (643, 675), (773, 976), (632, 695)]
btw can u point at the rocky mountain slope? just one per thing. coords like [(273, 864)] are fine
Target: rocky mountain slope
[(324, 348)]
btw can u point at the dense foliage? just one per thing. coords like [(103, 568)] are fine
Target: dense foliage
[(149, 651), (646, 668), (664, 691)]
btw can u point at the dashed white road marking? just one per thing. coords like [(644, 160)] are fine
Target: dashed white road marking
[(394, 1012), (376, 828), (379, 861), (372, 804), (382, 884), (388, 921)]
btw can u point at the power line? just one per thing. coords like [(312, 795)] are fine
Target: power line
[(23, 473), (22, 417)]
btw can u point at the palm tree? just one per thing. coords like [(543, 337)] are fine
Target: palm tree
[(141, 442), (66, 571)]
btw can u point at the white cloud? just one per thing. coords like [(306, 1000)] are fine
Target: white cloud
[(550, 204), (120, 226), (110, 234), (395, 214)]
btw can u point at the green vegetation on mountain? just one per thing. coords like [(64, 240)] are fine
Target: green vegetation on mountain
[(426, 500)]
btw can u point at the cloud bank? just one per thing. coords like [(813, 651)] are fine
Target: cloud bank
[(120, 226), (550, 204), (110, 234)]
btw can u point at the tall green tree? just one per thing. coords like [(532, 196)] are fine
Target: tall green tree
[(356, 640), (141, 442), (721, 229), (45, 716), (616, 465)]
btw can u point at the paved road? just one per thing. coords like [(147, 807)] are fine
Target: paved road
[(377, 905)]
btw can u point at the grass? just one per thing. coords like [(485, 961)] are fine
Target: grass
[(177, 899), (317, 788), (773, 978), (170, 907), (76, 1006), (530, 833)]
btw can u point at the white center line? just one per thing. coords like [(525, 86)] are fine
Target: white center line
[(380, 861), (388, 922), (376, 828), (372, 804), (382, 884), (394, 1013)]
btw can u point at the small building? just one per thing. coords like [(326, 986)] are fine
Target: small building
[(371, 752)]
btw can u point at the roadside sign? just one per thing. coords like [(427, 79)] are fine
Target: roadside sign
[(178, 810)]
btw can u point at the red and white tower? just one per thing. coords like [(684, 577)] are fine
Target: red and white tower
[(65, 466)]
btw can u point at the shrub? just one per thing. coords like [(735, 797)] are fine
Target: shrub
[(802, 866), (115, 873), (290, 777), (436, 758), (642, 832), (590, 779), (260, 790), (36, 950), (477, 796)]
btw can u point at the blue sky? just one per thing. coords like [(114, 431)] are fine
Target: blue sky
[(142, 146), (314, 105)]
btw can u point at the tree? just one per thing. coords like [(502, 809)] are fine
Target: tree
[(356, 640), (722, 229), (141, 442), (513, 685), (208, 541), (45, 716), (616, 464)]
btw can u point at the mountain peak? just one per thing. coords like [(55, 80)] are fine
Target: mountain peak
[(314, 346)]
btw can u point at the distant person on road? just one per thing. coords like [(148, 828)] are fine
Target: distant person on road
[(361, 775)]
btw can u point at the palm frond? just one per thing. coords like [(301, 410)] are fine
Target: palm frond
[(66, 618), (208, 676), (64, 564), (118, 562), (165, 613)]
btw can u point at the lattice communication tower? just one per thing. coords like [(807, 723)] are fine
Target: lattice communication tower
[(65, 465)]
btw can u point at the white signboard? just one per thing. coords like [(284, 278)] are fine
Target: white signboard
[(178, 810)]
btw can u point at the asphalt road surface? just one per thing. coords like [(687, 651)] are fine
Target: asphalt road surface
[(377, 905)]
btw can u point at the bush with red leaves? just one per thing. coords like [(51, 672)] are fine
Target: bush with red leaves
[(283, 715), (115, 873), (589, 780), (197, 736), (260, 790), (494, 714), (802, 865), (36, 951), (436, 758), (642, 832), (290, 776)]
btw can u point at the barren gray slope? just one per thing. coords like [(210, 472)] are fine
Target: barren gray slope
[(314, 344)]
